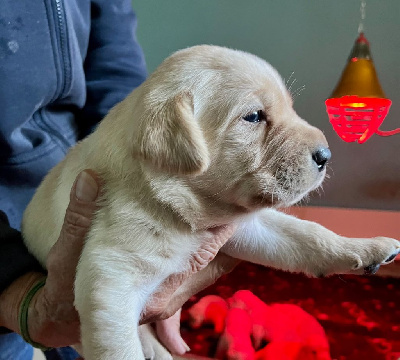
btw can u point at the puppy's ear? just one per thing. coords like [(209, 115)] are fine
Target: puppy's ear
[(171, 139)]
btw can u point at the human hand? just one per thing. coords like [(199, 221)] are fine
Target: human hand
[(52, 318), (56, 300), (205, 267)]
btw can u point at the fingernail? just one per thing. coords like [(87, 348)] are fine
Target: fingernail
[(86, 188), (186, 346)]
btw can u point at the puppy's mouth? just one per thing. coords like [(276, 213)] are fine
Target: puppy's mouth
[(286, 191), (275, 200), (264, 200), (291, 196), (283, 189)]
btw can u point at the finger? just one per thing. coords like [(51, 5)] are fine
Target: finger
[(222, 264), (64, 255), (168, 331), (56, 298), (221, 234), (214, 239), (81, 208)]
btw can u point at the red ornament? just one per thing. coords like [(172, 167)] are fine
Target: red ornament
[(358, 105), (357, 118)]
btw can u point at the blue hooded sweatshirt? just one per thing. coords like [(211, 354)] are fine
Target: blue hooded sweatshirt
[(63, 65)]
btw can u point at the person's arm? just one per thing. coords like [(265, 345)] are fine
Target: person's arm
[(114, 64), (15, 259), (52, 318)]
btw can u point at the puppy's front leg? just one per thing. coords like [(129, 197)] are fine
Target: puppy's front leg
[(275, 239), (111, 289)]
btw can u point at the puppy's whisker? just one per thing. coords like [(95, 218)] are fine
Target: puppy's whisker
[(297, 92), (291, 85), (330, 169), (287, 81)]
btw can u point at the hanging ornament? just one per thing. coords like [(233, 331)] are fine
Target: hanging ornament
[(358, 104)]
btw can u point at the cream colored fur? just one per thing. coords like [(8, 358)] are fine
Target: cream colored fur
[(177, 158)]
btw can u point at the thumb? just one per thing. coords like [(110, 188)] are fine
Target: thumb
[(222, 264), (168, 331), (77, 222)]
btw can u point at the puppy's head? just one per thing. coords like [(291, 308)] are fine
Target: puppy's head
[(225, 118)]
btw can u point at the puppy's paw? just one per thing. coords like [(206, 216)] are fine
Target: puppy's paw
[(152, 348), (383, 251), (365, 256)]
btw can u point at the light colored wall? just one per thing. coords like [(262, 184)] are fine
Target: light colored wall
[(313, 38)]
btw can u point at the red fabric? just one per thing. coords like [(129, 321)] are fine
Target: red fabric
[(289, 331), (360, 315), (210, 309), (235, 341)]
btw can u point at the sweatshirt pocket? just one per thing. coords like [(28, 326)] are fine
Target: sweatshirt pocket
[(43, 134)]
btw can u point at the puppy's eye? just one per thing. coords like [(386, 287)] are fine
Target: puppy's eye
[(255, 116)]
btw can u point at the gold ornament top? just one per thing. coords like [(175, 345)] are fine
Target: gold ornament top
[(359, 77)]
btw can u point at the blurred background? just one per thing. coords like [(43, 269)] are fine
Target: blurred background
[(311, 39)]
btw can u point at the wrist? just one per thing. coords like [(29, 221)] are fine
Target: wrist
[(39, 326), (12, 297), (51, 321), (27, 309)]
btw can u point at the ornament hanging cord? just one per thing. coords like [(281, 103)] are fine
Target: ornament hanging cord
[(387, 133), (361, 29), (361, 26)]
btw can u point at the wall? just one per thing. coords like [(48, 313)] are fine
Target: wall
[(313, 38)]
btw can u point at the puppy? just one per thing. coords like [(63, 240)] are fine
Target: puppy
[(210, 138)]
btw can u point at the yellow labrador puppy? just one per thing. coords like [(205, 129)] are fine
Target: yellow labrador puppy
[(209, 139)]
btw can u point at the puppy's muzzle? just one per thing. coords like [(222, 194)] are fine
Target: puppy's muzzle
[(321, 157)]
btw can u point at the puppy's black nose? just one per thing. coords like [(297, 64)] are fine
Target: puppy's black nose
[(321, 156)]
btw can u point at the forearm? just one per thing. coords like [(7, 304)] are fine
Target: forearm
[(18, 269), (15, 259), (11, 299), (51, 319)]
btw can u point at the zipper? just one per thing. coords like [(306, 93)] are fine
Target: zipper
[(63, 67), (63, 43)]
